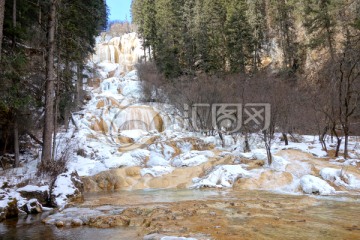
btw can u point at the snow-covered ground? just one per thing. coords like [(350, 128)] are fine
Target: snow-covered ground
[(115, 129)]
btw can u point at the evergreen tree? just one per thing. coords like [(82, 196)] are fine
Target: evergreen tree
[(239, 38), (257, 19), (320, 24), (284, 25)]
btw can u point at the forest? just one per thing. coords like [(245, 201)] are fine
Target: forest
[(44, 47), (302, 57)]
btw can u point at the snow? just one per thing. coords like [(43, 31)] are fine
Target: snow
[(135, 134), (157, 159), (279, 163), (128, 159), (222, 176), (314, 185), (192, 158), (131, 89), (157, 171), (63, 188), (340, 178), (32, 188), (110, 85), (168, 151), (107, 66)]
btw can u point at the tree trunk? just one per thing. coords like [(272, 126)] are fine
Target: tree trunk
[(267, 141), (14, 23), (16, 143), (79, 85), (346, 134), (322, 139), (285, 139), (247, 145), (338, 144), (2, 12), (49, 88), (222, 139)]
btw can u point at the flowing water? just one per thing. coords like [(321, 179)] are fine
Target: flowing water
[(214, 214)]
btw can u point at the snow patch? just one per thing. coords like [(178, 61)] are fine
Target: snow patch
[(314, 185), (340, 178), (222, 176), (157, 171)]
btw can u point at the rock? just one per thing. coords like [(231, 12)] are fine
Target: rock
[(59, 224), (76, 222), (109, 221), (68, 187), (40, 193), (314, 185), (10, 211), (7, 161), (32, 207)]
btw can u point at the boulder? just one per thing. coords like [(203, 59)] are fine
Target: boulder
[(32, 207), (68, 187), (40, 193), (9, 211)]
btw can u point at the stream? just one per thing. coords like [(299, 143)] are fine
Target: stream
[(207, 214)]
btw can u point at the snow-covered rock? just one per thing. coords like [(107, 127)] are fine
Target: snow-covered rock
[(279, 163), (133, 158), (222, 176), (340, 178), (31, 191), (67, 187), (192, 158), (157, 159), (32, 207), (157, 171), (314, 185)]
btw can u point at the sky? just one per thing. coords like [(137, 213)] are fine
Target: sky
[(119, 9)]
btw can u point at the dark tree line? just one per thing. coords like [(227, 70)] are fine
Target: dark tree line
[(44, 49)]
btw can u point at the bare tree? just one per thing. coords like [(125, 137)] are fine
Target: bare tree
[(348, 82)]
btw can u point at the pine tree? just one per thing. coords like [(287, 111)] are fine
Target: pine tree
[(257, 19), (284, 23), (239, 38), (320, 24)]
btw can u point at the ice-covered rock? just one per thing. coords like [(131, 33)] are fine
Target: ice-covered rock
[(32, 207), (133, 158), (157, 171), (340, 178), (222, 176), (279, 163), (157, 159), (314, 185), (192, 158)]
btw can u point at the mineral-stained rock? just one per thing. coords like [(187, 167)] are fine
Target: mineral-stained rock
[(76, 222), (109, 221), (10, 211), (32, 207)]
